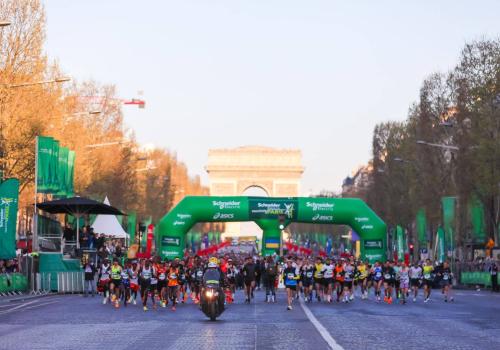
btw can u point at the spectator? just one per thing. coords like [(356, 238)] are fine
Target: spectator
[(90, 271), (68, 233), (493, 270)]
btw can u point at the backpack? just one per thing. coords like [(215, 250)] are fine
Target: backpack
[(271, 270)]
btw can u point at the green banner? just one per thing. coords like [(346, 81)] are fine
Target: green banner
[(45, 151), (131, 226), (62, 172), (440, 245), (70, 179), (421, 227), (400, 242), (268, 208), (9, 194), (476, 212), (55, 168), (448, 204)]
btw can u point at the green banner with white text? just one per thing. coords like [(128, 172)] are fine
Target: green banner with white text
[(9, 193)]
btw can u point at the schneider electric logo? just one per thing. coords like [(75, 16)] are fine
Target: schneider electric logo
[(318, 217), (226, 204), (320, 206), (222, 216)]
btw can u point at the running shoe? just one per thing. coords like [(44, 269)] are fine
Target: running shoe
[(173, 308), (288, 307), (104, 301), (145, 308), (117, 304), (414, 299)]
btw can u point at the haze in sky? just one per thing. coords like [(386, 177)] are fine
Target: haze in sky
[(314, 75)]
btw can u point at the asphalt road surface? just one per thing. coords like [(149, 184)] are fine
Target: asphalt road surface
[(74, 322)]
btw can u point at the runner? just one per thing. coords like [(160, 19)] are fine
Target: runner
[(134, 282), (427, 270), (362, 274), (404, 282), (339, 280), (290, 278), (377, 279), (104, 280), (318, 278), (307, 278), (271, 272), (161, 287), (389, 280), (125, 284), (347, 284), (114, 285), (231, 277), (415, 278), (249, 278), (328, 274), (173, 284), (446, 279), (145, 275), (183, 285)]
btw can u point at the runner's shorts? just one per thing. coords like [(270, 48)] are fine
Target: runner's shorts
[(415, 282)]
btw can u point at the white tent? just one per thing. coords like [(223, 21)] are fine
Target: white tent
[(109, 225)]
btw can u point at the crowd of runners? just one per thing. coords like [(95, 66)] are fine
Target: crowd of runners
[(169, 283)]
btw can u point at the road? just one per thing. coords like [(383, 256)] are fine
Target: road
[(74, 322)]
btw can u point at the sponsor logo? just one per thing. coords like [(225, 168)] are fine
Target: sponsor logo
[(171, 241), (5, 204), (373, 243), (184, 216), (179, 223), (361, 219), (226, 204), (373, 257), (320, 206), (169, 253), (367, 227), (318, 217), (222, 216)]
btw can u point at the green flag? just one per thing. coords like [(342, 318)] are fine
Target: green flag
[(70, 172), (400, 242), (440, 244), (54, 168), (421, 227), (9, 193), (476, 212), (44, 161), (62, 172), (131, 226), (448, 204)]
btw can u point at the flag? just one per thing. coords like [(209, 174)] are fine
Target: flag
[(421, 227), (9, 193), (131, 226), (400, 242)]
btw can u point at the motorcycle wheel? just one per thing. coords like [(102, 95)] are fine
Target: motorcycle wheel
[(212, 312)]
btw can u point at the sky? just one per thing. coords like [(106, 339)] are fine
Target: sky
[(311, 75)]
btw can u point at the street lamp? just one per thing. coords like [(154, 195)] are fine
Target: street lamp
[(4, 23), (421, 142), (56, 80)]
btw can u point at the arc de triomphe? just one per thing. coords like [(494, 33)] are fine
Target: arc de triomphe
[(231, 172)]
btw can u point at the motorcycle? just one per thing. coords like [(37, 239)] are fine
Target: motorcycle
[(212, 298)]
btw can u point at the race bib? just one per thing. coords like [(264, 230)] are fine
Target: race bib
[(161, 276), (387, 276), (154, 281), (309, 274), (445, 277), (427, 276), (290, 276), (199, 273), (378, 274)]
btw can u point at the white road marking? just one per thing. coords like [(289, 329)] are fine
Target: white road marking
[(18, 307), (319, 327)]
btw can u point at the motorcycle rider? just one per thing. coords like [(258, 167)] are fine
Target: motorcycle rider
[(213, 276)]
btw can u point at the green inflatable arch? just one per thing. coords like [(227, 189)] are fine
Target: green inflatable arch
[(271, 213)]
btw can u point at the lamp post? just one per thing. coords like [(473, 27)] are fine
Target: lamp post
[(4, 23), (42, 82)]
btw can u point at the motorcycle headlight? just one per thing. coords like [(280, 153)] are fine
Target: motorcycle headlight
[(210, 293)]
